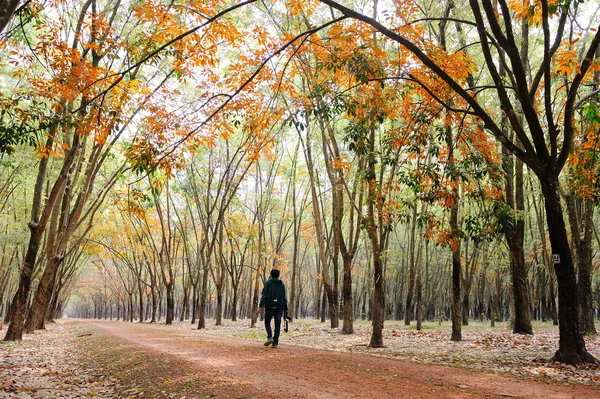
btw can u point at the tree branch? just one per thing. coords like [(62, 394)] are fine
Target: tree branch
[(428, 62), (569, 105)]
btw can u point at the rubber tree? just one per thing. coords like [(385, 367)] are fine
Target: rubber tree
[(545, 134)]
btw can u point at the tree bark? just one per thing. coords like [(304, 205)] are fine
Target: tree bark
[(581, 214), (408, 310), (378, 277), (234, 303), (456, 276), (36, 228), (514, 233), (572, 348), (39, 304), (7, 10), (170, 304), (547, 262), (420, 286), (203, 294)]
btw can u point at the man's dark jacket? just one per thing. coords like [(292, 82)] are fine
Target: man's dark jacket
[(273, 295)]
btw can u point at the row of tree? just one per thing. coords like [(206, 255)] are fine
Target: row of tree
[(376, 159)]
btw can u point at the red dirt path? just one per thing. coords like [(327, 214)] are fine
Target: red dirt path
[(308, 373)]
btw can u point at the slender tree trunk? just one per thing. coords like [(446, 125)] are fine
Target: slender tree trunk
[(219, 309), (203, 295), (348, 324), (420, 287), (515, 233), (130, 315), (320, 234), (408, 310), (141, 300), (194, 303), (234, 303), (455, 245), (378, 277), (185, 310), (154, 304), (257, 291), (466, 308), (293, 307), (456, 276), (255, 300), (170, 304), (296, 234), (323, 306)]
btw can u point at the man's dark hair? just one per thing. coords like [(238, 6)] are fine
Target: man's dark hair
[(275, 273)]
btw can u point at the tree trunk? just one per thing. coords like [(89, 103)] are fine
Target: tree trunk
[(15, 328), (323, 306), (234, 304), (420, 288), (455, 244), (185, 309), (41, 299), (296, 235), (456, 276), (581, 234), (546, 259), (154, 304), (334, 304), (203, 294), (130, 311), (170, 304), (141, 300), (492, 309), (466, 308), (378, 277), (571, 344), (194, 303), (318, 224), (7, 9), (514, 238), (219, 309), (348, 324), (36, 228), (408, 310), (255, 299)]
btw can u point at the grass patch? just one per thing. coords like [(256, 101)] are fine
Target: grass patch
[(423, 327), (252, 334)]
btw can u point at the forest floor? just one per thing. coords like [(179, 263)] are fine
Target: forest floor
[(103, 359), (482, 348)]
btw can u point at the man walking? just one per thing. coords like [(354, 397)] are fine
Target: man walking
[(273, 302)]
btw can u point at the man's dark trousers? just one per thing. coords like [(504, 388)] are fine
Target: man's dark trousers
[(269, 314)]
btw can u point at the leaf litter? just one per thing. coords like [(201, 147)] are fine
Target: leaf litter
[(50, 364), (483, 348), (46, 364)]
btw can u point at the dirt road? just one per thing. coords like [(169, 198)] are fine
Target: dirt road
[(295, 372)]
